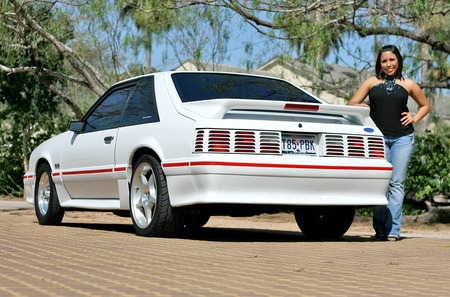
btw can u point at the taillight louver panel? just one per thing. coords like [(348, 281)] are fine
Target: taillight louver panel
[(219, 141), (270, 142), (376, 147), (237, 141), (354, 146), (334, 145), (199, 141), (244, 142)]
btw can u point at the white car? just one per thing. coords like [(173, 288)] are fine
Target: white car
[(174, 148)]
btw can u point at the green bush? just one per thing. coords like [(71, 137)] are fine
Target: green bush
[(409, 209), (428, 172), (11, 150), (429, 168)]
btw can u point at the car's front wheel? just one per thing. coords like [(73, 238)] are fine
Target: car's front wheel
[(150, 207), (46, 202), (325, 221)]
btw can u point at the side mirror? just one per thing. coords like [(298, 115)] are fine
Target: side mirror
[(76, 126)]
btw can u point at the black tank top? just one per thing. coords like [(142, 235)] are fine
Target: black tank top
[(387, 103)]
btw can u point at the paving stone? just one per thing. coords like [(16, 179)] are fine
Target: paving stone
[(103, 258)]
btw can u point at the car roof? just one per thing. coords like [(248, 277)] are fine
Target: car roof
[(165, 73)]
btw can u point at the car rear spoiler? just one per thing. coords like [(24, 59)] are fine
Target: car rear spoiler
[(218, 108)]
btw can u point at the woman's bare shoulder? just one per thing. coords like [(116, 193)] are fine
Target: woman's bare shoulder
[(372, 81), (408, 84)]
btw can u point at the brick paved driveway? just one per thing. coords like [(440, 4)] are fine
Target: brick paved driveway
[(106, 258)]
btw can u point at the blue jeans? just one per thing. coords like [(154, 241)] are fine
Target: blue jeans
[(387, 220)]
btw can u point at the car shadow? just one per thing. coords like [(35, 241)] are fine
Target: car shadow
[(261, 235), (113, 227), (224, 234)]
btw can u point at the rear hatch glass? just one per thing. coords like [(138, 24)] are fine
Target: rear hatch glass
[(207, 86)]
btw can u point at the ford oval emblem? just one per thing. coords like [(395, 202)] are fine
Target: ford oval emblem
[(368, 130)]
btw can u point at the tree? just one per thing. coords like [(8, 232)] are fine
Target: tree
[(30, 114), (21, 25), (28, 108), (201, 35), (153, 23), (315, 27)]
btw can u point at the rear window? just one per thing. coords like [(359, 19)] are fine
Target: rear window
[(207, 86)]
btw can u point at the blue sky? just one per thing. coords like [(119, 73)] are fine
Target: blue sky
[(263, 49), (240, 35), (355, 51)]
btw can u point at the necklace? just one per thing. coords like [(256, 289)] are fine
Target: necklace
[(389, 83)]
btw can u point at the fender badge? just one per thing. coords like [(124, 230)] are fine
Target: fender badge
[(368, 130)]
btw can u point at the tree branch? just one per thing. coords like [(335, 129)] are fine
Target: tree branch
[(74, 107), (434, 85), (422, 37), (46, 71), (72, 56), (358, 11)]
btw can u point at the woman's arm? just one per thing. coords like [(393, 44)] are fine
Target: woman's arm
[(424, 106), (361, 93)]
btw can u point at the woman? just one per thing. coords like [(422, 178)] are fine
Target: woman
[(388, 93)]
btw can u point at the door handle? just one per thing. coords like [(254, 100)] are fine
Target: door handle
[(108, 139)]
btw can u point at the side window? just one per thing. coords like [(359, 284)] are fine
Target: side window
[(107, 115), (141, 107)]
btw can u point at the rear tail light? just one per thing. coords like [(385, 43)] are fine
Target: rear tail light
[(301, 107), (269, 142), (237, 141), (244, 142), (199, 141), (219, 141), (356, 147), (376, 147), (353, 146), (334, 145)]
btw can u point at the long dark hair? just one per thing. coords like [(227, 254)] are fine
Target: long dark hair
[(389, 48)]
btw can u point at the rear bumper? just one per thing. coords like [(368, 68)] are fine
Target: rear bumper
[(279, 180)]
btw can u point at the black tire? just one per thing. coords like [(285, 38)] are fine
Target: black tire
[(150, 208), (196, 221), (46, 202), (325, 221)]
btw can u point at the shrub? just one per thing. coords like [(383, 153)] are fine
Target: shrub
[(429, 168)]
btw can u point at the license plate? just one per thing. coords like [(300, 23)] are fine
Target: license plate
[(299, 144)]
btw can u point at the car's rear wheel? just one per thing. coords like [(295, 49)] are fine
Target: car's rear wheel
[(325, 221), (150, 207), (46, 203)]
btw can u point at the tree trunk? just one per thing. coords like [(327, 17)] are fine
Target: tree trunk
[(435, 214), (424, 64), (25, 138), (148, 56), (148, 61)]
